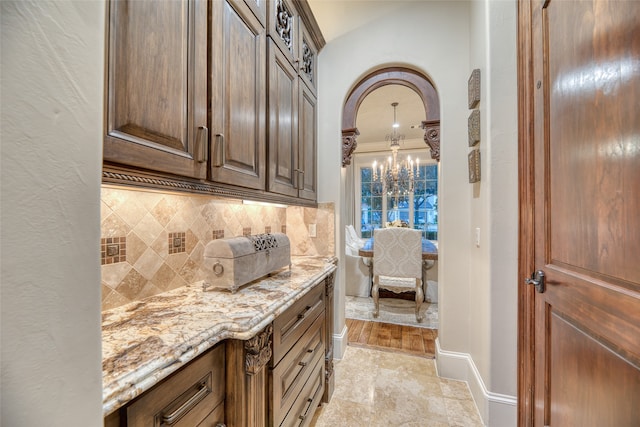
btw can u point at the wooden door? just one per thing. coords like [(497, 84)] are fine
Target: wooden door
[(156, 97), (307, 143), (283, 124), (238, 99), (580, 213)]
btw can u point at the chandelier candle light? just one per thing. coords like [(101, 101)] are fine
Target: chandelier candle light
[(397, 178)]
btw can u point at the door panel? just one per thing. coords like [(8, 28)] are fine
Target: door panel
[(594, 226), (283, 124), (586, 68), (156, 85), (308, 145), (238, 103), (571, 401)]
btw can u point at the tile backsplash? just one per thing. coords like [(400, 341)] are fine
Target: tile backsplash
[(163, 236)]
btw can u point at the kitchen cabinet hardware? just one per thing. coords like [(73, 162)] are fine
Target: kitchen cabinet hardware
[(219, 151), (203, 140), (175, 415)]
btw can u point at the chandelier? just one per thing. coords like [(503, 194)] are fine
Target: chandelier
[(396, 178)]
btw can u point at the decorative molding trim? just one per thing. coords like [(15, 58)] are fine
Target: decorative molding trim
[(307, 61), (115, 175), (284, 23), (494, 408), (258, 351), (349, 145), (305, 12), (432, 138), (329, 282), (406, 77), (328, 370), (340, 343)]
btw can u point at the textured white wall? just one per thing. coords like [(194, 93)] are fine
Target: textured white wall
[(432, 37), (494, 204), (503, 221), (52, 84)]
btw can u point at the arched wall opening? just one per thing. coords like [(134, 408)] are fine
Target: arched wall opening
[(412, 79), (429, 123)]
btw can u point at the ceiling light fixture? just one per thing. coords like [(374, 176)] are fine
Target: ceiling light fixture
[(396, 178)]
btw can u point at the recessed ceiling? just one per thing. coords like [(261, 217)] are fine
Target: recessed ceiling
[(375, 117)]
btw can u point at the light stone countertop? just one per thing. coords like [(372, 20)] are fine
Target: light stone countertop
[(146, 341)]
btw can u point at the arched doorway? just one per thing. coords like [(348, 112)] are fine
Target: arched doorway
[(427, 101), (387, 76)]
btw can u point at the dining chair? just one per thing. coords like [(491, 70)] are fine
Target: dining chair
[(397, 264)]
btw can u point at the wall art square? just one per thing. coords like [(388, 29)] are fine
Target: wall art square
[(474, 88), (474, 166), (474, 127)]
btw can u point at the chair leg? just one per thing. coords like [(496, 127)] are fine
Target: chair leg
[(419, 299), (376, 298)]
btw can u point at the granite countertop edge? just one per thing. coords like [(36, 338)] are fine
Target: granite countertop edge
[(140, 350)]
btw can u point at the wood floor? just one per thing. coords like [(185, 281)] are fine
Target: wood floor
[(398, 338)]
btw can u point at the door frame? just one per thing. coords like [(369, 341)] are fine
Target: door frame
[(526, 209)]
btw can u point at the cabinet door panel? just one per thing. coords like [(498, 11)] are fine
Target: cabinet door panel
[(308, 58), (282, 24), (283, 124), (238, 97), (307, 144), (157, 85)]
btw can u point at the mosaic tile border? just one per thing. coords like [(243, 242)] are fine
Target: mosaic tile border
[(113, 250)]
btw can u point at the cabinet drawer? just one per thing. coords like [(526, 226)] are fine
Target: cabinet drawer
[(292, 324), (186, 398), (291, 374), (304, 407), (215, 418)]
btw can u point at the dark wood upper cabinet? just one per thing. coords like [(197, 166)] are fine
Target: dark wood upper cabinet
[(238, 98), (156, 115), (187, 90), (292, 103), (283, 124), (307, 146), (307, 54), (282, 27)]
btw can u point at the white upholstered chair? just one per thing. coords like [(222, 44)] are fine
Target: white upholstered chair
[(358, 282), (397, 264)]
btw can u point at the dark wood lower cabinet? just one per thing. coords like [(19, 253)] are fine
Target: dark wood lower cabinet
[(276, 378), (193, 396)]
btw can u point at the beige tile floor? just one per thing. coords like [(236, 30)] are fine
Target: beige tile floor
[(378, 388)]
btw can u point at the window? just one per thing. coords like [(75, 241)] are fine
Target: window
[(419, 209)]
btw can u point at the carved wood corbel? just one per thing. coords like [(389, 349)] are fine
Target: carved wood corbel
[(247, 380), (258, 351), (349, 145), (432, 138)]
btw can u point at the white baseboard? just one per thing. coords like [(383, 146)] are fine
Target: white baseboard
[(496, 410), (340, 343)]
